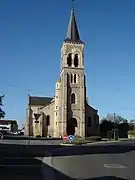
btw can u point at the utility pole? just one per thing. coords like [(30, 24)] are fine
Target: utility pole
[(114, 115), (29, 117), (116, 133)]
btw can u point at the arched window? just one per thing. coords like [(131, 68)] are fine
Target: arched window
[(71, 78), (89, 122), (72, 98), (47, 120), (75, 78), (69, 59), (76, 60)]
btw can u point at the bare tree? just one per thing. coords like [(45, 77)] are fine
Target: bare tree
[(115, 118), (109, 117), (2, 113)]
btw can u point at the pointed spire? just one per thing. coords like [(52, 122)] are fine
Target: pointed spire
[(72, 31)]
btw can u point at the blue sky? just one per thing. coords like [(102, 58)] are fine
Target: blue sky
[(31, 34)]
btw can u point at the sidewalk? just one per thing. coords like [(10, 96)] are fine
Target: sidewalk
[(98, 142)]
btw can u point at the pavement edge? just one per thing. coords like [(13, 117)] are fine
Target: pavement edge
[(47, 171)]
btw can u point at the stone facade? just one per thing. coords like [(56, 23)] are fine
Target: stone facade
[(68, 112)]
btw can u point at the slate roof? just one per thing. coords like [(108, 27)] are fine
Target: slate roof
[(40, 101), (72, 31), (92, 108)]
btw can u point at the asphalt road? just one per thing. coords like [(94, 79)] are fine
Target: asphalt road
[(19, 161), (89, 162), (20, 168), (114, 161), (32, 142)]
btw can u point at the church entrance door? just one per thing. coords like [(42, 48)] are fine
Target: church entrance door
[(71, 126)]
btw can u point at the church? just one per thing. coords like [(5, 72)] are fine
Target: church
[(68, 112)]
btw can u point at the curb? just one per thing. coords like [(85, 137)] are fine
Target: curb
[(47, 168), (47, 171), (104, 142), (62, 144), (100, 142)]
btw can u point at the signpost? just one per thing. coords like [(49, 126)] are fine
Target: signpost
[(65, 137), (70, 138)]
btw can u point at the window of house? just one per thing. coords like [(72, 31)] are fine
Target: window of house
[(56, 96), (73, 98), (47, 120), (56, 113), (71, 78), (56, 107), (69, 59), (89, 122), (76, 60), (74, 78)]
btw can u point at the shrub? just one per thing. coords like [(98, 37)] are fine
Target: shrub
[(38, 136), (79, 141), (132, 133), (94, 138)]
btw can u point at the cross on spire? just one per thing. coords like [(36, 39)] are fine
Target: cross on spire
[(72, 30), (73, 3)]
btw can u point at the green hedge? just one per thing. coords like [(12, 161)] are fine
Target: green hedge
[(94, 138), (132, 133), (79, 141)]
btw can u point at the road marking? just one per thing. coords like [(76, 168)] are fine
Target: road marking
[(114, 166)]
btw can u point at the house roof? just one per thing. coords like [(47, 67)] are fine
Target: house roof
[(4, 121), (39, 101), (92, 108), (72, 30)]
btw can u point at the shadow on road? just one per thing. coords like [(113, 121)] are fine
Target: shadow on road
[(100, 149), (59, 150), (20, 169)]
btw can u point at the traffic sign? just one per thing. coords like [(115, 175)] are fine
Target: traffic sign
[(36, 116), (70, 138), (65, 137)]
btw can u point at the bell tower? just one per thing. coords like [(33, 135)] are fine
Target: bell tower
[(73, 90)]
